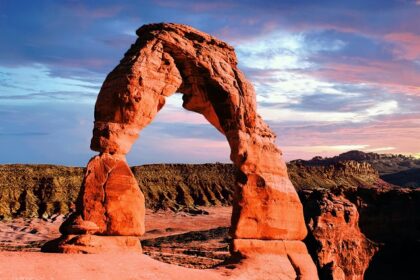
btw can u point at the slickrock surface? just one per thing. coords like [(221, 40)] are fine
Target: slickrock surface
[(190, 240), (124, 266)]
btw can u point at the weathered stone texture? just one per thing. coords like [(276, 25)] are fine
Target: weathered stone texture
[(169, 58)]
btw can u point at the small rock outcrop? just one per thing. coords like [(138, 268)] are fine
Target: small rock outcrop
[(169, 58), (341, 250)]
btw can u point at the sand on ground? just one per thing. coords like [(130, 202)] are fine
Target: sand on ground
[(43, 266), (20, 259)]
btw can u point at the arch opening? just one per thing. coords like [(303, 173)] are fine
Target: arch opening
[(177, 135)]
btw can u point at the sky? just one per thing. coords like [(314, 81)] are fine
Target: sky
[(330, 76)]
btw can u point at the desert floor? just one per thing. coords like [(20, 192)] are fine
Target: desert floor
[(172, 240)]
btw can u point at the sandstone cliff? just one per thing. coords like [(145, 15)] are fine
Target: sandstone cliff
[(324, 174), (38, 190)]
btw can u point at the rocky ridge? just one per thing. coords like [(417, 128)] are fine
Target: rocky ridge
[(44, 190), (396, 169)]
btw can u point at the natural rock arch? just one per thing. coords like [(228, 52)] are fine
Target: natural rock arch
[(169, 58)]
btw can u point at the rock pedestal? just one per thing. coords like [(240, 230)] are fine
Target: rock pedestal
[(290, 255), (169, 58), (110, 211)]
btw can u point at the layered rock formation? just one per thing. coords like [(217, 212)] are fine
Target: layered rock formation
[(41, 191), (340, 249), (323, 174), (31, 191), (169, 58), (396, 169)]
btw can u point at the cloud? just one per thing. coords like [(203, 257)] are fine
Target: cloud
[(325, 149), (46, 132), (391, 76), (395, 130), (307, 152), (36, 83), (381, 149), (178, 150), (408, 45), (83, 9), (24, 134), (198, 6), (327, 74), (383, 108)]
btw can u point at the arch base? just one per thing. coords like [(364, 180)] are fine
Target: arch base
[(272, 259), (110, 211), (92, 244)]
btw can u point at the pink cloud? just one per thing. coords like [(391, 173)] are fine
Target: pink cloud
[(97, 12), (196, 7), (394, 76), (180, 116), (409, 45), (96, 63), (399, 132), (193, 150)]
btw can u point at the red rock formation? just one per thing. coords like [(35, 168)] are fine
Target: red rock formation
[(169, 58), (285, 259), (342, 250), (110, 204)]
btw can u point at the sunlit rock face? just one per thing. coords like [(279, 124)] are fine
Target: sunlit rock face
[(169, 58), (339, 247)]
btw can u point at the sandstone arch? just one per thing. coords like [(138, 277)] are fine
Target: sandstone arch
[(169, 58)]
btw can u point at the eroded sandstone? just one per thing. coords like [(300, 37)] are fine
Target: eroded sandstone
[(169, 58), (341, 250)]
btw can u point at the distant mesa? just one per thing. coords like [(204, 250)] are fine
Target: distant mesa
[(396, 169)]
